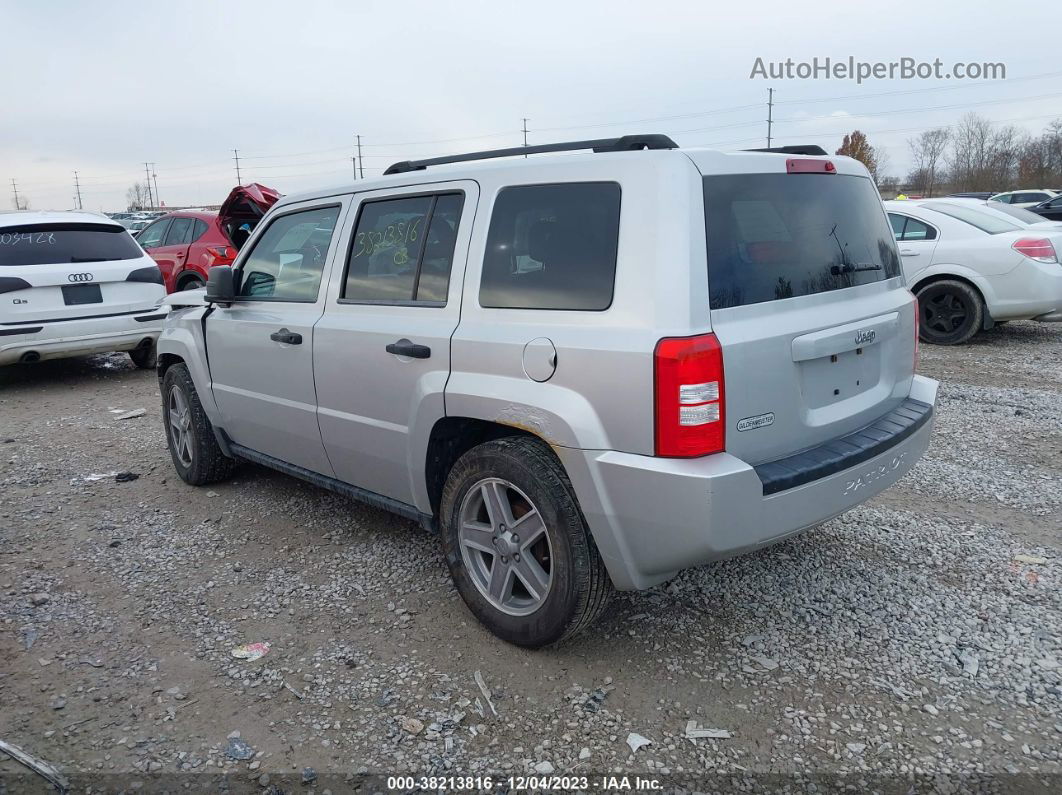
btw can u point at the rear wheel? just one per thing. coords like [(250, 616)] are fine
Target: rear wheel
[(517, 546), (191, 283), (952, 312), (144, 358), (196, 455)]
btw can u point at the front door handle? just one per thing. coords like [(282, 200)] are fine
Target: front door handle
[(287, 337), (406, 348)]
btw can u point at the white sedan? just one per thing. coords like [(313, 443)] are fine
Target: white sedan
[(972, 267), (1024, 198)]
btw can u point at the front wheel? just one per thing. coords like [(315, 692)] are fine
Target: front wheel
[(196, 455), (952, 312), (517, 546)]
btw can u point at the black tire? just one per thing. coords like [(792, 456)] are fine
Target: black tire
[(206, 464), (580, 588), (191, 283), (951, 312), (144, 358)]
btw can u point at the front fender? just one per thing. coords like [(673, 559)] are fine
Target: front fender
[(182, 336)]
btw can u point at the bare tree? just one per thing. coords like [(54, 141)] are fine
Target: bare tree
[(137, 196), (927, 153), (982, 158)]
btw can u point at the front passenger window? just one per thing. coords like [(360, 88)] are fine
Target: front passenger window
[(288, 258)]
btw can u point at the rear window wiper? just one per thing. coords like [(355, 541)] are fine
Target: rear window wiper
[(837, 270)]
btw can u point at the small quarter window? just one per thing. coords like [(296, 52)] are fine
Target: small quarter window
[(552, 247)]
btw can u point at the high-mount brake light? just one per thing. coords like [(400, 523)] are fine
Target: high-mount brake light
[(803, 165), (690, 396)]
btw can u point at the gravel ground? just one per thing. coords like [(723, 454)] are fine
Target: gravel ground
[(917, 638)]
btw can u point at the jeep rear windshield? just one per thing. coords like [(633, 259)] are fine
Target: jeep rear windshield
[(773, 236), (54, 244)]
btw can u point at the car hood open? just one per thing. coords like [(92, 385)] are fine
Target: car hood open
[(245, 204)]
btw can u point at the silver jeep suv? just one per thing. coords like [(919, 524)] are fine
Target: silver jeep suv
[(586, 371)]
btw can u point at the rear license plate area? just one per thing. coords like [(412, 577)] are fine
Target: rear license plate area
[(74, 294), (832, 379)]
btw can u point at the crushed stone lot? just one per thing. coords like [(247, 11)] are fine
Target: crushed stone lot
[(918, 637)]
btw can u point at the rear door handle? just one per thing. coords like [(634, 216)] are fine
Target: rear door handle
[(909, 252), (406, 348), (287, 337)]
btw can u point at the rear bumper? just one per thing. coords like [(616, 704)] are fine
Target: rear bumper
[(652, 517), (61, 338)]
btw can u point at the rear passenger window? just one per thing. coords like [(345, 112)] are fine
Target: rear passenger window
[(288, 258), (916, 230), (200, 229), (552, 247), (403, 249), (180, 231)]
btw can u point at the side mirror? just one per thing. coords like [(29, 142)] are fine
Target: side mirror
[(220, 288)]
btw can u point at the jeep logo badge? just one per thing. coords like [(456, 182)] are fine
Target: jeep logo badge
[(865, 336), (79, 277)]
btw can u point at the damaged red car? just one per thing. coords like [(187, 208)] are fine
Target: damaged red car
[(185, 244)]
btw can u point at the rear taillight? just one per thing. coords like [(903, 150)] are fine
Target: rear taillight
[(690, 396), (221, 255), (1037, 248)]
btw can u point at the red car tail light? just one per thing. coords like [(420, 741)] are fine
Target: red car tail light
[(221, 255), (690, 396), (1037, 248)]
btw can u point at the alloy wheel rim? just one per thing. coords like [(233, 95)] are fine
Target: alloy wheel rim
[(505, 547), (945, 313), (180, 426)]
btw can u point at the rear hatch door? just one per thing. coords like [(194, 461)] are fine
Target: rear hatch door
[(807, 300), (55, 271), (243, 208)]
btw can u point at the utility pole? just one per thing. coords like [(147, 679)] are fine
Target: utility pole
[(147, 184), (236, 157), (14, 187), (361, 166), (77, 189), (155, 179), (770, 107), (525, 134)]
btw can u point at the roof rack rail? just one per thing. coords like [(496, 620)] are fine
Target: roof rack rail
[(623, 144), (800, 149)]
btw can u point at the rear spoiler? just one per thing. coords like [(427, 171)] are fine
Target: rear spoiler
[(800, 149)]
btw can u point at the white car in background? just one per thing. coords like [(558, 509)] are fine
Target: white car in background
[(73, 283), (1024, 198), (972, 267)]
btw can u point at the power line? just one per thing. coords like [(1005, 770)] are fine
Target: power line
[(361, 168), (14, 187), (525, 135), (237, 159), (155, 179), (77, 190)]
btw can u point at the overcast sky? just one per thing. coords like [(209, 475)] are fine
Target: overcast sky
[(102, 87)]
